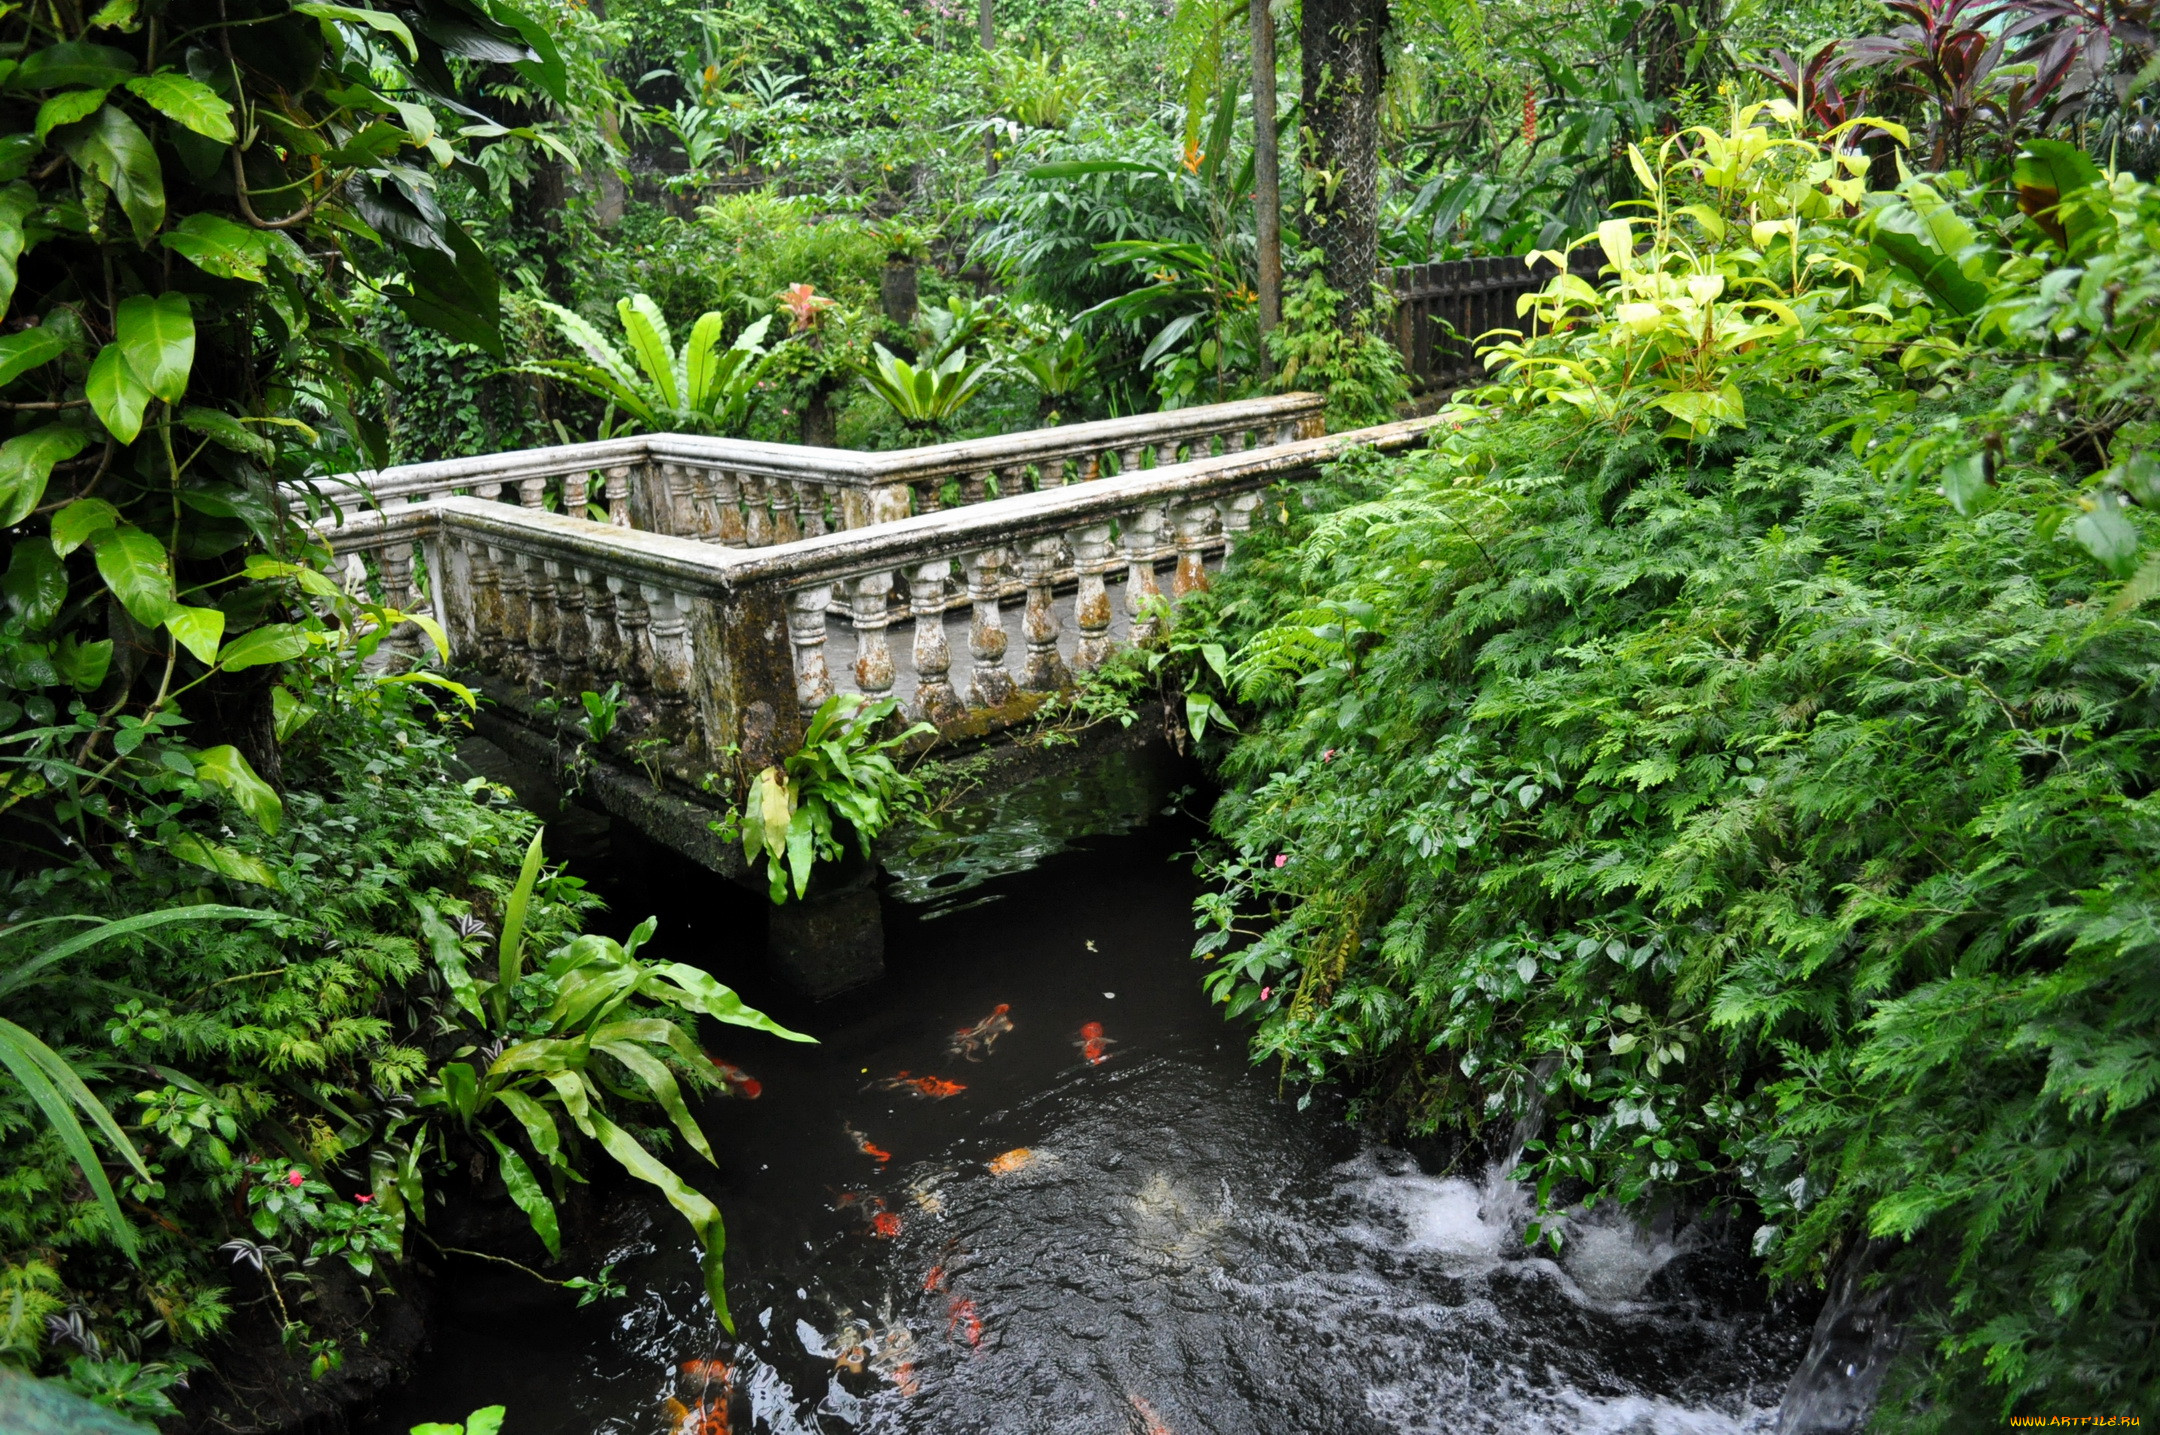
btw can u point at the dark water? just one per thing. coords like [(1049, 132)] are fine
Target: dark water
[(1155, 1241)]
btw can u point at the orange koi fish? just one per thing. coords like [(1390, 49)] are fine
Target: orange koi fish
[(1093, 1044), (935, 1280), (974, 1042), (885, 1224), (698, 1419), (739, 1082), (936, 1088), (862, 1144), (961, 1319), (1149, 1420), (1016, 1159), (707, 1370), (903, 1376)]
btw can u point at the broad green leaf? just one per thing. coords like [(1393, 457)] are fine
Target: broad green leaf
[(198, 630), (2048, 173), (449, 954), (35, 585), (221, 859), (661, 1082), (703, 1215), (113, 148), (646, 328), (225, 767), (485, 1421), (26, 464), (157, 337), (719, 1002), (186, 102), (699, 370), (540, 1128), (114, 15), (116, 395), (461, 1088), (136, 569), (271, 643), (379, 20), (222, 428), (84, 665), (66, 108), (510, 954), (525, 1192), (16, 202), (71, 65), (81, 521), (1965, 483), (27, 349), (288, 714), (2109, 536), (217, 246), (53, 1085)]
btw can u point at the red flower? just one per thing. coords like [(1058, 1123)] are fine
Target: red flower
[(363, 1199), (294, 1178)]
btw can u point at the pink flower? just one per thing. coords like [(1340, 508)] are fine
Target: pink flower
[(1266, 992), (294, 1178), (1328, 756), (1281, 858), (363, 1199)]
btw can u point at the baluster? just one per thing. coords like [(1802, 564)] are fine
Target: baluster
[(532, 492), (930, 498), (618, 495), (786, 492), (603, 648), (634, 649), (1129, 459), (576, 492), (670, 637), (806, 633), (1236, 513), (1054, 472), (872, 611), (1012, 480), (727, 496), (1236, 441), (1141, 535), (517, 651), (1044, 670), (484, 562), (1091, 600), (935, 700), (395, 560), (990, 685), (1191, 523), (540, 658), (573, 641), (491, 489), (757, 529), (809, 507)]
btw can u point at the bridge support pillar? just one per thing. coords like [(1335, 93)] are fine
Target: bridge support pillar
[(833, 940)]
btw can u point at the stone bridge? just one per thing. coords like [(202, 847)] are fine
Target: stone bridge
[(728, 587)]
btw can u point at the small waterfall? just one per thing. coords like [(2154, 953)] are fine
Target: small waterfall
[(1855, 1339)]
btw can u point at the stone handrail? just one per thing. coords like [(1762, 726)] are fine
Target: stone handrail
[(720, 651), (741, 493)]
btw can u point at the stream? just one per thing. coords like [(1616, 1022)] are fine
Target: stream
[(1116, 1224)]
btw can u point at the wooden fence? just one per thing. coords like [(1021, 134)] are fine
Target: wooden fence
[(1469, 297)]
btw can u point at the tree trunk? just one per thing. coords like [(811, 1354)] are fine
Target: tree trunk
[(1267, 171), (1342, 79)]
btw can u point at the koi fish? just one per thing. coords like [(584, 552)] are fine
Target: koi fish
[(739, 1082), (1150, 1422), (935, 1280), (974, 1042), (903, 1376), (1017, 1159), (961, 1319), (1093, 1044), (885, 1224), (936, 1088), (698, 1419), (862, 1144), (707, 1370)]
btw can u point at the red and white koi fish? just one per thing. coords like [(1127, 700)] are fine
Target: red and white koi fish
[(936, 1088), (1093, 1044), (739, 1082), (863, 1144), (1150, 1422), (935, 1280), (974, 1042), (961, 1319), (698, 1419), (708, 1370)]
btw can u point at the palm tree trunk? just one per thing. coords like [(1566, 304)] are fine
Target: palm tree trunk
[(1342, 75)]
